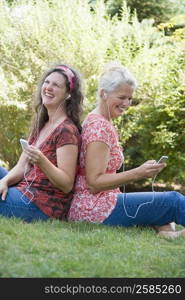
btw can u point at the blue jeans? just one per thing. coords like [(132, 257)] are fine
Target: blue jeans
[(148, 208), (18, 205)]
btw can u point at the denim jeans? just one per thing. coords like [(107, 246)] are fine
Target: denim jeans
[(18, 205), (148, 208)]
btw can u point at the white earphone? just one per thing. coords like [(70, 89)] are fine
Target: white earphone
[(68, 97), (105, 95)]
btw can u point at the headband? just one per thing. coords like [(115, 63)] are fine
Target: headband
[(69, 74)]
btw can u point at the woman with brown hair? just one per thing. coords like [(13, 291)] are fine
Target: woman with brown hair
[(40, 186)]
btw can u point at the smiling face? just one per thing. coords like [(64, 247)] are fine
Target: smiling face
[(118, 100), (54, 90)]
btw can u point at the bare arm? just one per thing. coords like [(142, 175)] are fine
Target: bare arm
[(97, 158), (61, 176)]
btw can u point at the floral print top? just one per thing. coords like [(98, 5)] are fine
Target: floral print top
[(98, 206)]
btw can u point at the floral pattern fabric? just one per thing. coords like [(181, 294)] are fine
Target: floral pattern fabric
[(85, 205)]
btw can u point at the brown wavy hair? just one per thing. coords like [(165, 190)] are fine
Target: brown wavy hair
[(72, 107)]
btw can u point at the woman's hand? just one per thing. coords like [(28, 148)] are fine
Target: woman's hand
[(62, 175), (3, 189), (150, 169), (35, 156)]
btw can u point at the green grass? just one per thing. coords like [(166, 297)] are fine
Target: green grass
[(60, 249)]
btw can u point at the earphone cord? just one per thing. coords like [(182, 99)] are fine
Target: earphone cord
[(28, 185), (149, 202), (153, 195)]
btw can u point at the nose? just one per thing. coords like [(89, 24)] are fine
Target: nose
[(48, 86), (127, 101)]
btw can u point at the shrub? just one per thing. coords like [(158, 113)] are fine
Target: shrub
[(160, 10), (43, 32)]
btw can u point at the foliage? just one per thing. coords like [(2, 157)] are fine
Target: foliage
[(160, 10), (58, 249), (156, 125), (174, 27), (14, 124), (43, 32)]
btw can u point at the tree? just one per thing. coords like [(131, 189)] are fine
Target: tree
[(159, 10), (43, 32)]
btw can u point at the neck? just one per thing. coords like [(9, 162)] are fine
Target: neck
[(103, 110), (56, 115)]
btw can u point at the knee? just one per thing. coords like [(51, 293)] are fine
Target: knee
[(176, 197), (3, 172), (173, 194)]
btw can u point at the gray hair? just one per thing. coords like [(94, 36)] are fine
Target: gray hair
[(114, 75)]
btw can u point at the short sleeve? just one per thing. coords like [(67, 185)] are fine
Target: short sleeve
[(97, 131), (66, 136)]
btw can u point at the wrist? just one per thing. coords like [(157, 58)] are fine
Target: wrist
[(42, 160), (137, 174), (4, 181)]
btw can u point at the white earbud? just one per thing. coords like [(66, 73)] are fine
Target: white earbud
[(68, 97), (105, 95)]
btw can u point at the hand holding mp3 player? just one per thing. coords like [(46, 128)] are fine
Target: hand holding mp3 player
[(24, 144), (163, 159)]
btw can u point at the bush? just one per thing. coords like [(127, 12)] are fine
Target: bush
[(44, 32), (160, 10), (155, 126)]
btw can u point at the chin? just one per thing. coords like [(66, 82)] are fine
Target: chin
[(46, 104), (118, 115), (115, 116)]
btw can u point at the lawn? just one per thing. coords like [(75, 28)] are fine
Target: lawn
[(76, 250)]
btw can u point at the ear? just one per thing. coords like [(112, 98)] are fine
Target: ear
[(103, 94)]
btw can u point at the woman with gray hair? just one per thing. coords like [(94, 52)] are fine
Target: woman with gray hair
[(97, 196)]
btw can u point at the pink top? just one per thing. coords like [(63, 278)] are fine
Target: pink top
[(85, 205)]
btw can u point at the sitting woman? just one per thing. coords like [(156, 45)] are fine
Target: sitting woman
[(40, 186), (97, 195)]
